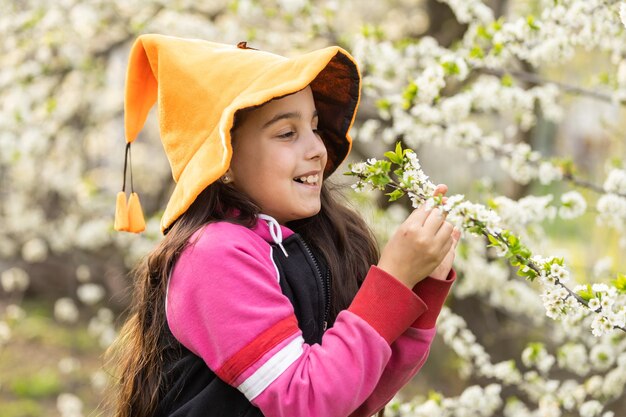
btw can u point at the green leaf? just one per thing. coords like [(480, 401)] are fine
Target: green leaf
[(586, 294), (524, 252), (450, 68), (383, 104), (380, 180), (399, 151), (477, 52), (233, 6), (507, 80), (529, 273), (535, 348), (616, 162), (366, 30), (498, 48), (493, 240), (513, 240), (531, 22), (395, 194), (475, 229), (482, 32), (409, 94), (393, 157), (51, 104), (566, 165), (497, 25), (435, 396), (604, 78), (620, 283)]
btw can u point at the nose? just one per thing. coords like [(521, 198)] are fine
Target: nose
[(315, 147)]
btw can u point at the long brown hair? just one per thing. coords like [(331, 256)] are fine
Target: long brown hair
[(143, 347)]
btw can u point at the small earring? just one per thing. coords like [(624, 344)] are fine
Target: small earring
[(226, 179)]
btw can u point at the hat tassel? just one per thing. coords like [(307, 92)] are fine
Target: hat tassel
[(121, 213), (136, 221), (128, 216)]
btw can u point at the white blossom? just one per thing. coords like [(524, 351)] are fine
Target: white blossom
[(602, 356), (14, 279), (602, 266), (292, 6), (548, 173), (591, 408), (429, 83), (83, 273), (90, 293), (101, 327), (536, 355), (99, 380), (69, 405), (621, 73), (65, 310), (14, 312), (612, 210), (468, 10), (5, 333), (573, 205), (35, 250), (68, 365), (616, 182)]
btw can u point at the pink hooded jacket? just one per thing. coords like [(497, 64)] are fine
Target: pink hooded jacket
[(225, 304)]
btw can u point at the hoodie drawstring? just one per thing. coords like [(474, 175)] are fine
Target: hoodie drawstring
[(275, 231)]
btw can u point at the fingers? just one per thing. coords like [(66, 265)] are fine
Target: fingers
[(419, 215), (432, 219), (445, 231), (435, 220), (440, 189), (456, 235)]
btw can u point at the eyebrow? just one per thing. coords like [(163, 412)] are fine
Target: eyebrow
[(288, 115)]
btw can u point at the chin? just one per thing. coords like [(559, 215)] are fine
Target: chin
[(305, 214)]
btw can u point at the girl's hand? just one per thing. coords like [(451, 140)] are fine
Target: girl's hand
[(419, 246), (442, 271)]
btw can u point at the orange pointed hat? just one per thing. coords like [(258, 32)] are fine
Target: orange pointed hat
[(200, 85)]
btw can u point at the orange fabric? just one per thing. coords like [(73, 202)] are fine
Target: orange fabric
[(200, 85)]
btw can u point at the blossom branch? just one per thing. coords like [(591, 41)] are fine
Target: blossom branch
[(402, 173), (538, 80)]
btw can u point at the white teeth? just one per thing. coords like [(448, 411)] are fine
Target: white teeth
[(311, 179)]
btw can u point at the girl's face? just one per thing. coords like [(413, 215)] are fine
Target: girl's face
[(279, 158)]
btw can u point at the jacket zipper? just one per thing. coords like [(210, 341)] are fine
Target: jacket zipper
[(327, 298), (325, 283)]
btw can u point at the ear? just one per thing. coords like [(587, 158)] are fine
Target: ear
[(228, 177)]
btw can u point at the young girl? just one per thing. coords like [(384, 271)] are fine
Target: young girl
[(267, 296)]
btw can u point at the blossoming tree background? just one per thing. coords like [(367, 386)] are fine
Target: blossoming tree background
[(516, 105)]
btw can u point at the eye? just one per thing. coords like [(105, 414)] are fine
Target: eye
[(287, 135)]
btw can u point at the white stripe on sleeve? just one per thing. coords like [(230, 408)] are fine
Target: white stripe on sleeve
[(272, 369)]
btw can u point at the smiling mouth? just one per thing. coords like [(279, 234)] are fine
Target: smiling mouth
[(308, 180)]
